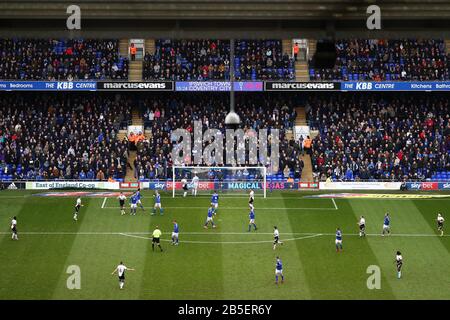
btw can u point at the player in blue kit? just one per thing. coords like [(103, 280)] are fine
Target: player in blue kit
[(157, 204), (175, 233), (215, 201), (339, 240), (279, 270), (138, 196), (209, 218), (251, 221), (386, 224), (133, 201)]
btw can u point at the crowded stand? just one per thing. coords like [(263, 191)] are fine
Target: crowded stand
[(380, 136), (164, 113), (262, 60), (51, 59), (182, 60), (63, 136), (385, 60)]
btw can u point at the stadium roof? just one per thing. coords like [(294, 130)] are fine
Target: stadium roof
[(165, 16)]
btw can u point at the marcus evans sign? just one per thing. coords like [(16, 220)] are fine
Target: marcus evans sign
[(152, 86), (302, 86)]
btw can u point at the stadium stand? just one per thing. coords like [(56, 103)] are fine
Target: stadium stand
[(162, 114), (210, 59), (51, 59), (380, 59), (373, 136), (49, 136), (187, 60)]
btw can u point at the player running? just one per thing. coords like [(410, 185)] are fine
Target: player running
[(399, 262), (338, 241), (184, 184), (279, 270), (215, 201), (139, 197), (78, 205), (251, 199), (386, 224), (195, 180), (440, 224), (362, 226), (175, 233), (120, 269), (133, 204), (276, 237), (209, 218), (157, 197), (251, 221), (122, 199), (14, 229)]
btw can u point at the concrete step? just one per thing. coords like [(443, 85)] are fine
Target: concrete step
[(307, 173), (301, 116), (287, 46), (130, 172), (312, 45), (121, 134), (123, 47), (447, 46)]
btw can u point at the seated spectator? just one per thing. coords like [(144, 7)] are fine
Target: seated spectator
[(48, 136), (380, 136), (380, 60), (50, 59)]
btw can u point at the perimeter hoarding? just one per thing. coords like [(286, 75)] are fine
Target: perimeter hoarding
[(359, 185), (47, 185), (302, 86), (219, 86)]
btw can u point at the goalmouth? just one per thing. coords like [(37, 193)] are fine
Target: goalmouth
[(221, 179)]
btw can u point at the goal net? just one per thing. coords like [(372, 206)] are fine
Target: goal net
[(220, 179)]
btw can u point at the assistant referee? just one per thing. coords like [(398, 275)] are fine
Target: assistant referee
[(156, 238)]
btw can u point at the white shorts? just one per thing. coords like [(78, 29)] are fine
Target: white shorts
[(133, 205), (215, 205), (174, 234), (195, 186), (251, 206), (338, 241), (252, 221), (157, 205), (139, 202), (385, 227), (278, 271), (208, 219)]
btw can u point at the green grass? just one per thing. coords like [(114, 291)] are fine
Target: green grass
[(227, 262)]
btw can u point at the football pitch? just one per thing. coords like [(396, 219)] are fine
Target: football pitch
[(227, 262)]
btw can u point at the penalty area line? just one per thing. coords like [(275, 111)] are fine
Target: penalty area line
[(104, 202)]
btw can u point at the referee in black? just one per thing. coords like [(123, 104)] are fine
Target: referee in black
[(156, 238)]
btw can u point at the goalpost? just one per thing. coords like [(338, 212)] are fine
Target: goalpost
[(222, 179)]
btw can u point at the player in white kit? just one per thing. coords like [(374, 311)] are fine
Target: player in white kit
[(195, 180), (251, 199), (14, 229), (120, 269), (184, 184), (78, 205)]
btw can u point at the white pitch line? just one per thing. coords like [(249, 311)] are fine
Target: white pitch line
[(235, 208), (206, 233), (223, 242), (335, 206), (104, 202)]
